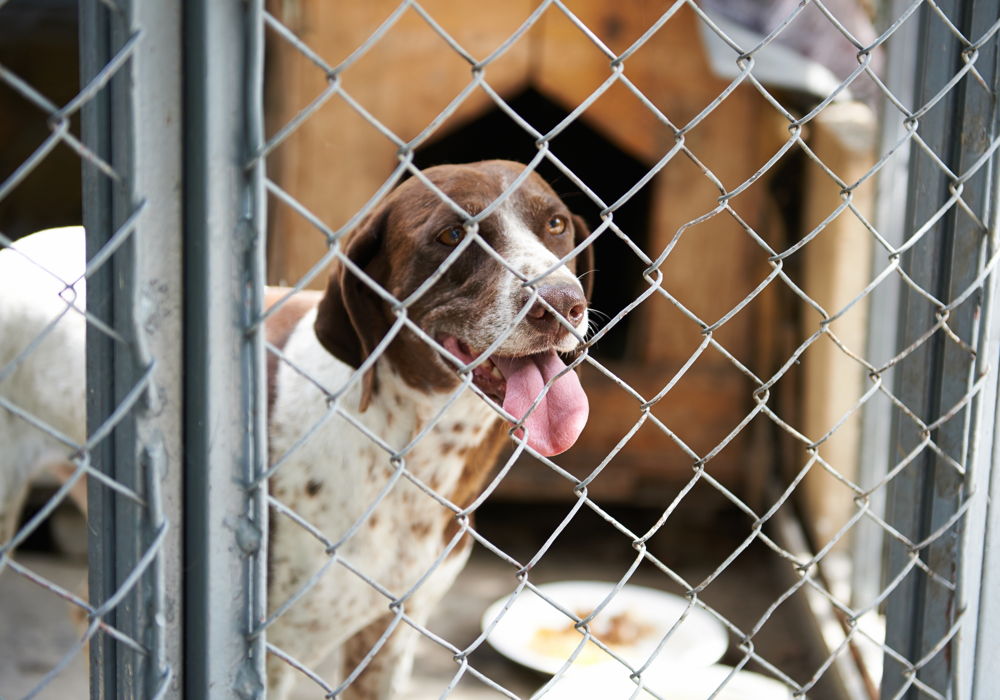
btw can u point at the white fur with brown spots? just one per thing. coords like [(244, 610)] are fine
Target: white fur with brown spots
[(330, 473), (334, 476)]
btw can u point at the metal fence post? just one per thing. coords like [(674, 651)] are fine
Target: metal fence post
[(131, 122), (225, 407), (980, 638), (937, 380)]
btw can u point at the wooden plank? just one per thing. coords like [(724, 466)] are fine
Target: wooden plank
[(335, 161)]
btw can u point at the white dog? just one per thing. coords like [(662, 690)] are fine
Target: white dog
[(42, 331)]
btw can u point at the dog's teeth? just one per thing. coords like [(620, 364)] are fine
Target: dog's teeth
[(495, 372)]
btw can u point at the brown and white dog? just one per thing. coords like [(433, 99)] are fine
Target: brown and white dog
[(389, 548), (335, 476)]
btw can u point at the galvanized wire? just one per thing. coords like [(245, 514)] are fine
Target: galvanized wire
[(889, 268), (104, 620), (945, 331)]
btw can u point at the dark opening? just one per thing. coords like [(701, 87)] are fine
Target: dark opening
[(38, 43), (606, 169)]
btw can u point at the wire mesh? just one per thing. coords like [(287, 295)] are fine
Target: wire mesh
[(84, 433), (805, 83), (762, 292)]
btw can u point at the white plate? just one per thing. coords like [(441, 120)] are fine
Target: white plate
[(538, 635), (608, 683)]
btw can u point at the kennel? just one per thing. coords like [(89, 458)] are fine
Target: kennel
[(762, 191)]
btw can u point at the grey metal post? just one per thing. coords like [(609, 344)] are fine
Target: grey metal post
[(133, 124), (976, 676), (926, 498), (980, 637), (225, 403)]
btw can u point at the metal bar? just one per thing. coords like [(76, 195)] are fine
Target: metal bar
[(157, 306), (255, 365), (225, 453), (939, 373), (976, 676), (95, 50), (107, 123), (132, 125)]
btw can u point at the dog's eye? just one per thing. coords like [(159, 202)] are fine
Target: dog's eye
[(556, 225), (451, 235)]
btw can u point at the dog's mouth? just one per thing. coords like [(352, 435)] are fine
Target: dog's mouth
[(516, 382)]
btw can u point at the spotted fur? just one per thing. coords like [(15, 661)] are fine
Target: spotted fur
[(387, 549), (382, 523)]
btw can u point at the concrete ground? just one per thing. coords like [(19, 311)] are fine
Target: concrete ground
[(36, 629)]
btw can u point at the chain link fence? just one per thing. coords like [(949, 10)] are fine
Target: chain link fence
[(108, 445), (782, 214), (908, 262)]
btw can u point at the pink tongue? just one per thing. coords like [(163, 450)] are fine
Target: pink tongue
[(558, 420)]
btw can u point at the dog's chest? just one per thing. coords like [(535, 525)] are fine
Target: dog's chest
[(345, 480), (376, 484)]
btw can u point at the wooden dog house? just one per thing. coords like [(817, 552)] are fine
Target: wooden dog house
[(335, 160)]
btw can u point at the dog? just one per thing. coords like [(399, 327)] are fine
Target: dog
[(380, 439), (42, 333)]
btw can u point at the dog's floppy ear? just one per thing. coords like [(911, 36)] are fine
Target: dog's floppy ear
[(585, 259), (351, 318)]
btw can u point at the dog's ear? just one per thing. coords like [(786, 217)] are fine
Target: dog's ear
[(585, 259), (351, 318)]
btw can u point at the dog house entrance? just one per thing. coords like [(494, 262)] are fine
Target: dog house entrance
[(606, 169)]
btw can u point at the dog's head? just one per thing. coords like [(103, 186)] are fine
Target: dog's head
[(476, 300)]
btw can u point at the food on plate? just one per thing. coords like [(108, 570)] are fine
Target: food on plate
[(616, 631)]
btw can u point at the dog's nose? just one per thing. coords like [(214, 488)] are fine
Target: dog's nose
[(566, 299)]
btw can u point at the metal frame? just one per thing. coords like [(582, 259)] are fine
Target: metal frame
[(975, 672), (133, 225), (226, 401), (135, 125), (925, 502)]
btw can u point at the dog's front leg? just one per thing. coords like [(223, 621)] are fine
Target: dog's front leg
[(387, 672)]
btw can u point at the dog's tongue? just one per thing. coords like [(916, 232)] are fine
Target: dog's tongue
[(558, 420)]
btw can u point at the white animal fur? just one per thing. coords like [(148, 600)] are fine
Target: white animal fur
[(47, 383), (398, 414), (397, 542)]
